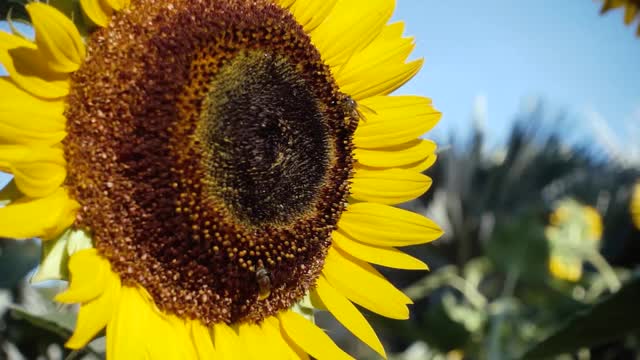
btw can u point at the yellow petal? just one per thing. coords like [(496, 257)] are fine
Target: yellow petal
[(380, 255), (90, 276), (138, 330), (38, 171), (630, 13), (391, 186), (398, 120), (118, 5), (387, 81), (28, 68), (380, 68), (348, 315), (45, 217), (310, 337), (295, 352), (170, 337), (256, 343), (202, 339), (285, 3), (129, 330), (350, 27), (26, 119), (383, 225), (416, 167), (364, 285), (389, 48), (565, 268), (57, 37), (94, 315), (227, 343), (98, 11), (422, 165), (310, 13), (396, 156), (271, 330)]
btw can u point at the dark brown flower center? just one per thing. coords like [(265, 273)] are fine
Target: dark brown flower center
[(211, 151), (264, 138)]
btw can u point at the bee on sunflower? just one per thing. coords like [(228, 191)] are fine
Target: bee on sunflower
[(205, 174)]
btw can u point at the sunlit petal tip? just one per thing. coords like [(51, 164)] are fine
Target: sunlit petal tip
[(97, 11), (29, 69), (345, 312), (310, 338), (374, 292), (379, 255), (89, 275), (390, 187), (350, 27), (384, 225), (118, 5), (202, 340), (44, 217), (57, 37)]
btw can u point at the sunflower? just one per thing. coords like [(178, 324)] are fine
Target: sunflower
[(631, 10), (574, 234), (213, 172), (635, 205)]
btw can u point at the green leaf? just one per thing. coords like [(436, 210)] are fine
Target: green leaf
[(450, 334), (56, 253), (612, 318), (59, 323), (520, 246)]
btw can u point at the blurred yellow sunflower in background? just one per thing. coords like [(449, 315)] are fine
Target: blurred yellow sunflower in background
[(574, 233), (635, 205), (216, 170), (631, 10)]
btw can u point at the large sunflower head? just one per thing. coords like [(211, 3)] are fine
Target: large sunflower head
[(216, 170)]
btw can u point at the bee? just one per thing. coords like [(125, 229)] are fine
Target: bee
[(356, 111), (264, 283)]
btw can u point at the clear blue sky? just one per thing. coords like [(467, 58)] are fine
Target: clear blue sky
[(506, 50)]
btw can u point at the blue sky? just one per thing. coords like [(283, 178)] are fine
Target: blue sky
[(505, 51)]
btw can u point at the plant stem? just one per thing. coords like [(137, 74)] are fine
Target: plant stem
[(495, 346), (603, 267)]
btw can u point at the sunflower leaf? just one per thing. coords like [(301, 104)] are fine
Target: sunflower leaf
[(56, 253), (53, 263), (59, 323)]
